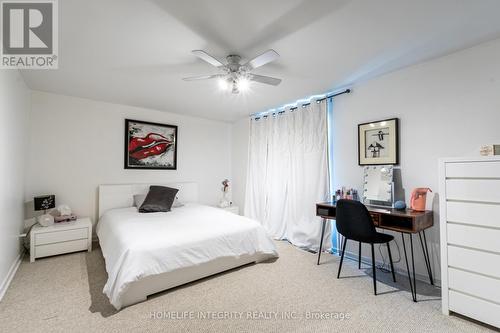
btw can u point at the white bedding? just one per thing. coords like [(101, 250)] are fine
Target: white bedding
[(137, 245)]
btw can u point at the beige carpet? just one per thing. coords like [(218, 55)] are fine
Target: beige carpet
[(63, 294)]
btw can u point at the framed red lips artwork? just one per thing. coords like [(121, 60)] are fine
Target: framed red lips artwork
[(150, 145)]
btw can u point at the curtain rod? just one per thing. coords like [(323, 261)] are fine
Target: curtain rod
[(347, 91), (264, 114)]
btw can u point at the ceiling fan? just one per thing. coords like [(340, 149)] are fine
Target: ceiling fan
[(236, 76)]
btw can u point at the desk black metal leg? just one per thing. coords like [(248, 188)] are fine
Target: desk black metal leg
[(321, 240), (413, 268), (408, 267), (390, 260), (426, 257), (374, 270)]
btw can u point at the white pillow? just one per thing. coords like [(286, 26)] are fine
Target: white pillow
[(139, 199), (177, 203)]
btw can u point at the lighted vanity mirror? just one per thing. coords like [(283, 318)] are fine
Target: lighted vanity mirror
[(378, 185)]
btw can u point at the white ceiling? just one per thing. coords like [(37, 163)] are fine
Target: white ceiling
[(136, 52)]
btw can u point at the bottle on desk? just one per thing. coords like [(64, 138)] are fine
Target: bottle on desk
[(349, 194)]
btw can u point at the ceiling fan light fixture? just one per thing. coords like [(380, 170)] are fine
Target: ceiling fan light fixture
[(236, 76), (243, 84), (223, 84), (235, 89)]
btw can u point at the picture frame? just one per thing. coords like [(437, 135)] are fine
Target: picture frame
[(150, 146), (378, 142)]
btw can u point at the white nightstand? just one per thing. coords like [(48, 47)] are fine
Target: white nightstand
[(61, 238), (232, 209)]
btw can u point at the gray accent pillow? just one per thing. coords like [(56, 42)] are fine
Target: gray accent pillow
[(158, 199), (139, 199)]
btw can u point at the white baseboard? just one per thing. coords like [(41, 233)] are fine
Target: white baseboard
[(10, 275)]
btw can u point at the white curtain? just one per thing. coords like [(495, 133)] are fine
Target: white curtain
[(288, 174)]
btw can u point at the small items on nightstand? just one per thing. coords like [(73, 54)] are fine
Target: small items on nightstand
[(63, 214)]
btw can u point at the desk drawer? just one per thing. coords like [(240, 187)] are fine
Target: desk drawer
[(473, 284), (61, 236), (375, 218), (475, 308), (474, 237), (60, 248), (325, 211), (474, 261)]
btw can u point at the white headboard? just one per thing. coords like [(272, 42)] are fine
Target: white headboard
[(122, 195)]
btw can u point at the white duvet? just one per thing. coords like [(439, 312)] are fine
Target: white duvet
[(136, 245)]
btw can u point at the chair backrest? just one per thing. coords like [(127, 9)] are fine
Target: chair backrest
[(354, 221)]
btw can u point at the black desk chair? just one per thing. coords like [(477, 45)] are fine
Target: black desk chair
[(355, 223)]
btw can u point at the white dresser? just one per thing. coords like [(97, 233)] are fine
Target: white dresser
[(470, 237)]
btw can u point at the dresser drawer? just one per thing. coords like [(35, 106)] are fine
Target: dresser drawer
[(475, 308), (485, 190), (487, 169), (475, 261), (60, 248), (473, 213), (61, 236), (474, 237), (473, 284)]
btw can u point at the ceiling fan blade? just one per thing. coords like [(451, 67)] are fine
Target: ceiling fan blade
[(201, 77), (207, 57), (261, 60), (265, 79)]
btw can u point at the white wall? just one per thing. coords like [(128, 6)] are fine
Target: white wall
[(14, 108), (447, 107), (77, 144)]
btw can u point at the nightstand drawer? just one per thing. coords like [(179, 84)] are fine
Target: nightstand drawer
[(60, 248), (61, 236)]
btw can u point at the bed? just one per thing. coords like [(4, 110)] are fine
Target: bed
[(149, 253)]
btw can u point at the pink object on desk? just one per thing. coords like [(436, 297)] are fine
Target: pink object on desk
[(419, 198)]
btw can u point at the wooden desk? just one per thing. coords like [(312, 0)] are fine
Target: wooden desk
[(403, 221)]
